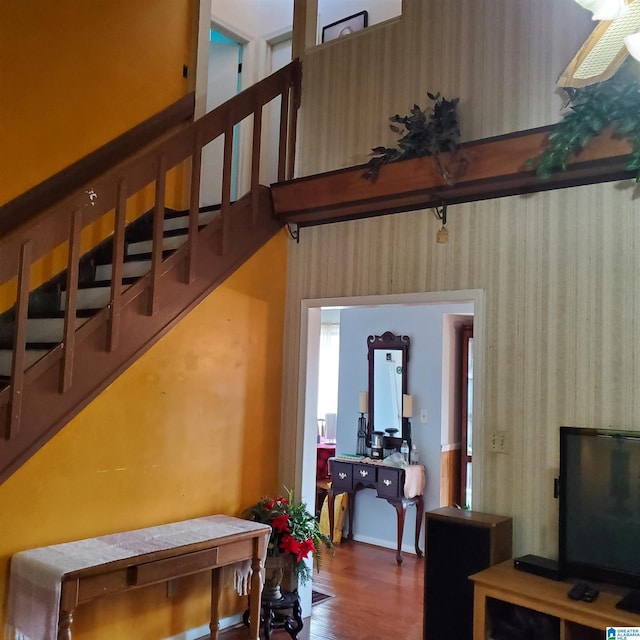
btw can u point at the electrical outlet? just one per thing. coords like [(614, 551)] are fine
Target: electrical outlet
[(423, 416), (498, 441)]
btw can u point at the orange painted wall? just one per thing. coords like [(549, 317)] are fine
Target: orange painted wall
[(191, 428), (75, 75)]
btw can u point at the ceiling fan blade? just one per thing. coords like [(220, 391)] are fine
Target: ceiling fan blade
[(603, 52)]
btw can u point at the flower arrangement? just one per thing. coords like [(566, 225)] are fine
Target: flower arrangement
[(294, 531)]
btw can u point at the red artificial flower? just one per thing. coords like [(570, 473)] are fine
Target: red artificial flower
[(290, 545), (269, 504), (281, 523), (282, 501), (306, 547)]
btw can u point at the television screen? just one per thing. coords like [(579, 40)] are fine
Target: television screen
[(599, 532)]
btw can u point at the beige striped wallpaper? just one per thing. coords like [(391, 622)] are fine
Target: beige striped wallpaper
[(560, 270)]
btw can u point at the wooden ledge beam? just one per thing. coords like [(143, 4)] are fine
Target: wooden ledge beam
[(481, 170)]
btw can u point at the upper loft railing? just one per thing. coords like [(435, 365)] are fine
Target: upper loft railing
[(61, 222)]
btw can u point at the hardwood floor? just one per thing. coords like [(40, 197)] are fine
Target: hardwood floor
[(373, 598)]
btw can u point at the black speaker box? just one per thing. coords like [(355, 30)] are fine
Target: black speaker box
[(458, 544)]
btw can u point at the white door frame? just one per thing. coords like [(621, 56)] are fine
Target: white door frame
[(309, 340)]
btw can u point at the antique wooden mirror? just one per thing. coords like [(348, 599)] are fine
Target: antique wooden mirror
[(388, 356)]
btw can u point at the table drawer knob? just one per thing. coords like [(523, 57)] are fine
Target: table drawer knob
[(342, 475), (364, 473), (387, 483)]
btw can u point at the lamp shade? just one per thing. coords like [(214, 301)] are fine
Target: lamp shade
[(362, 402), (407, 405)]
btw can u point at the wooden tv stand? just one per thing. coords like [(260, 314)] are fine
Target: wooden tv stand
[(503, 582)]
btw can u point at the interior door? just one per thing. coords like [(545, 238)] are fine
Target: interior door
[(225, 65), (466, 411)]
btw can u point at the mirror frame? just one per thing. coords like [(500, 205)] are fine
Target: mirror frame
[(388, 340)]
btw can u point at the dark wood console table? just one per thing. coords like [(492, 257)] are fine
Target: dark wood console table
[(48, 583), (389, 482)]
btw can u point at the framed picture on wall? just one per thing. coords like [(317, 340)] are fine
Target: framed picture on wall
[(346, 26)]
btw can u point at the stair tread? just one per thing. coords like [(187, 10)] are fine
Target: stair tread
[(31, 356), (169, 243), (182, 221), (130, 269), (39, 331), (93, 297)]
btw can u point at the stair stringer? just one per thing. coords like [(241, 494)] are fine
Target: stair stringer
[(45, 410)]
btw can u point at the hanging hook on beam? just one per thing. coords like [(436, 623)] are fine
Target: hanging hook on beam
[(294, 232), (441, 213)]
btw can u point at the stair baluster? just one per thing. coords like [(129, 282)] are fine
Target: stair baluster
[(284, 127), (227, 163), (20, 339), (158, 229), (255, 163), (194, 206), (115, 302), (73, 272)]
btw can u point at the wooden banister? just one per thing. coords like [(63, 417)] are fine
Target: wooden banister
[(54, 189), (64, 378), (98, 196)]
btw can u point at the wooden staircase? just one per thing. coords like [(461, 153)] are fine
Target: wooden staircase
[(45, 315), (70, 338)]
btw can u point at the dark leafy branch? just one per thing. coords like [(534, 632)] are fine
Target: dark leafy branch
[(613, 103), (425, 132)]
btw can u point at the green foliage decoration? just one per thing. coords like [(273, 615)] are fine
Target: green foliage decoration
[(612, 103), (425, 132), (294, 531)]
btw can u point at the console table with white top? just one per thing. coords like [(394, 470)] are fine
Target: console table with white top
[(48, 583)]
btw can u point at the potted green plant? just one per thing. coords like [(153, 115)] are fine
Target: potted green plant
[(295, 535), (423, 132)]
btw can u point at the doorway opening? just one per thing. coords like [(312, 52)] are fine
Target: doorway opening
[(466, 413), (431, 381), (223, 82)]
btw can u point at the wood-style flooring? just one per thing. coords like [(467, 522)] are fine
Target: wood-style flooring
[(373, 598)]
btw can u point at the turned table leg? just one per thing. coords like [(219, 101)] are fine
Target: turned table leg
[(351, 510), (419, 501), (256, 599), (214, 625), (64, 625), (401, 510)]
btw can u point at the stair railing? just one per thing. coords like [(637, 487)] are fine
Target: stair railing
[(63, 222)]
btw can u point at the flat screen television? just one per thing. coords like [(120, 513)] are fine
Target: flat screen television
[(599, 517)]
